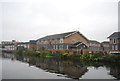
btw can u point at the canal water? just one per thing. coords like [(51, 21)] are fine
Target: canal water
[(16, 67)]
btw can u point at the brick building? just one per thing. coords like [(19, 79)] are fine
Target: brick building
[(94, 46), (115, 43), (12, 46), (64, 41), (105, 47)]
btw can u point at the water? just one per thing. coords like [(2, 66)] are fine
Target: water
[(38, 68), (0, 66)]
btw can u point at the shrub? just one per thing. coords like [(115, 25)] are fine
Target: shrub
[(99, 57)]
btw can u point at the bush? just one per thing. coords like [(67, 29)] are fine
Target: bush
[(99, 57), (111, 58)]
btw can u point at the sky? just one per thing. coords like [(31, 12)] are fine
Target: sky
[(25, 20)]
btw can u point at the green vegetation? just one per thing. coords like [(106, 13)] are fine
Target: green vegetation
[(67, 55), (99, 57)]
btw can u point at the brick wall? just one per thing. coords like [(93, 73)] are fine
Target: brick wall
[(75, 38)]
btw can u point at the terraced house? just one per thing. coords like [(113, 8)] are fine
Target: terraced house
[(64, 41), (94, 46), (115, 43), (105, 47)]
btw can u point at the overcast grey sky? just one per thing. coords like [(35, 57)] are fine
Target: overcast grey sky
[(24, 20)]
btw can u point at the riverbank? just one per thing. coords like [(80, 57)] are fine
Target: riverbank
[(96, 57)]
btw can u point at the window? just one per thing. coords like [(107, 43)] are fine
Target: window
[(53, 46), (56, 46), (45, 41), (50, 42), (41, 41), (61, 40), (116, 47), (67, 46), (60, 46), (112, 47), (114, 41), (56, 41)]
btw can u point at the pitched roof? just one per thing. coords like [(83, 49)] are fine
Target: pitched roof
[(32, 42), (105, 42), (115, 35), (78, 44), (62, 35), (7, 44), (94, 41)]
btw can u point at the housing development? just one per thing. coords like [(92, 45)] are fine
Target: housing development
[(72, 41), (66, 55)]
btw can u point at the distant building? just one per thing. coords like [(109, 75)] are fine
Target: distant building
[(94, 46), (12, 46), (105, 47), (9, 47), (31, 45), (8, 42), (115, 43), (64, 41)]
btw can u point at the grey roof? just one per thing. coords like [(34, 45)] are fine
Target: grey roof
[(30, 42), (62, 35), (7, 44), (105, 42), (115, 35), (94, 41)]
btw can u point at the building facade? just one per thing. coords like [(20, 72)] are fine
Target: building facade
[(31, 45), (114, 40), (64, 41), (12, 46), (94, 46), (105, 47)]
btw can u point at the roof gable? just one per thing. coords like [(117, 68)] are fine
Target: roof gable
[(94, 41), (105, 42), (62, 35), (115, 35)]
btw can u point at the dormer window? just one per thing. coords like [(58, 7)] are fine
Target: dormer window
[(61, 40)]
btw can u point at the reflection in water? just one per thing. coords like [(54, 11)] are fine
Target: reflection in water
[(68, 68), (65, 69), (115, 72), (0, 66)]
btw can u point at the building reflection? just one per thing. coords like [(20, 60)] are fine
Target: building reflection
[(115, 72), (65, 67), (72, 71)]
